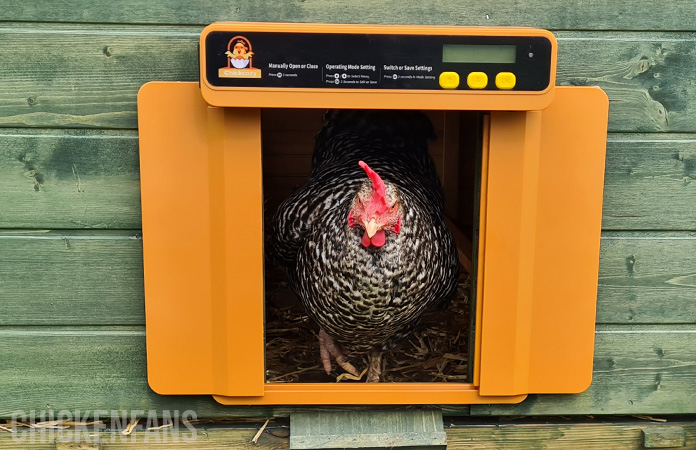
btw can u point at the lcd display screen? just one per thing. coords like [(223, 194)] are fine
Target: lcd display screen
[(503, 54)]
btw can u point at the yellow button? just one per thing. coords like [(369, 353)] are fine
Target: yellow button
[(477, 80), (505, 80), (449, 80)]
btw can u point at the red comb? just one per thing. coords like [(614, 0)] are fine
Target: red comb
[(379, 190), (377, 183)]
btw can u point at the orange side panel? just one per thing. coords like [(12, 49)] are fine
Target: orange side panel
[(541, 250), (202, 243)]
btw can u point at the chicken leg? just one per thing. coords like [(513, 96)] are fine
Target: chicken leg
[(328, 348), (374, 366)]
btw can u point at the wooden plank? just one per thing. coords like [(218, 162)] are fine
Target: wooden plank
[(514, 436), (90, 78), (649, 182), (92, 75), (664, 437), (647, 278), (641, 75), (380, 428), (95, 278), (86, 369), (95, 445), (575, 14), (635, 372), (69, 179), (51, 278), (193, 435), (586, 436), (499, 436)]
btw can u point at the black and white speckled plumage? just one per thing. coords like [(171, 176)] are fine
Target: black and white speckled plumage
[(368, 297)]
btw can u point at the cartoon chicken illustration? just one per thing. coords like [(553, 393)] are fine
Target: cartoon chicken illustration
[(240, 55)]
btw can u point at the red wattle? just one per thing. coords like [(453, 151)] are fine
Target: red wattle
[(351, 219), (378, 239), (397, 228)]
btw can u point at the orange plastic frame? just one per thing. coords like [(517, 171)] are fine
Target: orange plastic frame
[(541, 202)]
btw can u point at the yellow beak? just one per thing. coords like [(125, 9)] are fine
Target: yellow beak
[(371, 228)]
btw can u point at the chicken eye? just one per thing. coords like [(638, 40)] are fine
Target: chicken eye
[(393, 208)]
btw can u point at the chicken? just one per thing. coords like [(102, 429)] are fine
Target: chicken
[(364, 240), (239, 51)]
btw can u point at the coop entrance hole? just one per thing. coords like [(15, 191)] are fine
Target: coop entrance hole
[(441, 349)]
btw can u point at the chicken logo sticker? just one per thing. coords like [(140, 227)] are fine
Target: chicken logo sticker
[(239, 60)]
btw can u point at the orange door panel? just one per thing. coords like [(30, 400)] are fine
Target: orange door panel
[(202, 243), (539, 258)]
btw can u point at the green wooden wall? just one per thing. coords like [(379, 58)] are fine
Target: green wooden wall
[(71, 287)]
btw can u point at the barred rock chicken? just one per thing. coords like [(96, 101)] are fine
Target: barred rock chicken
[(364, 240)]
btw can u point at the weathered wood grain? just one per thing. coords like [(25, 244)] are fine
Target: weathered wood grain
[(82, 76), (649, 182), (664, 437), (199, 436), (91, 74), (641, 74), (85, 369), (90, 178), (586, 436), (637, 371), (397, 428), (647, 279), (499, 436), (49, 278), (575, 14), (69, 179)]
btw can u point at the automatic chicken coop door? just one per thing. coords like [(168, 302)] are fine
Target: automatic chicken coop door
[(542, 166)]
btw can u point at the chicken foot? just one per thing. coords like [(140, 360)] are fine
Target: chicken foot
[(374, 367), (329, 348)]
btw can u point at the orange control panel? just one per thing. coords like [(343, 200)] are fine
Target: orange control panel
[(245, 64)]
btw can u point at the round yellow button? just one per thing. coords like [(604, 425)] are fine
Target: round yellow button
[(449, 80), (477, 80), (505, 80)]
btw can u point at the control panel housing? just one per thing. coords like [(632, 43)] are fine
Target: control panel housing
[(247, 64)]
